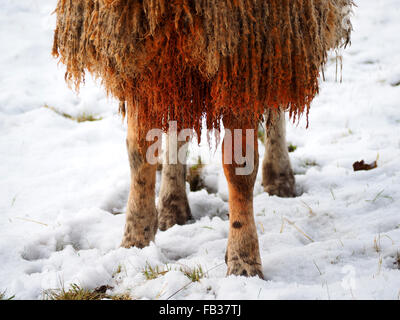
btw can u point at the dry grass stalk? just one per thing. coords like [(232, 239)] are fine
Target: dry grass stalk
[(296, 227)]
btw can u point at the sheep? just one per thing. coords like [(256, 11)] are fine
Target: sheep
[(228, 62)]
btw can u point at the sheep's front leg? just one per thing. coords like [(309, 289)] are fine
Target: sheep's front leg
[(277, 174), (173, 205), (242, 255), (141, 214)]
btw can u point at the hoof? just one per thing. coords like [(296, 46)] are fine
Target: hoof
[(278, 179), (282, 186), (129, 243), (173, 211), (140, 232), (283, 189), (242, 267), (168, 218), (138, 241)]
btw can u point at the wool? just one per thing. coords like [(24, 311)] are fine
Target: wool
[(189, 60)]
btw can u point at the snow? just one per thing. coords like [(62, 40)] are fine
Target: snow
[(60, 182)]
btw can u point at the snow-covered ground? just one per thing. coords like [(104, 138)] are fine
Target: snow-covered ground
[(60, 182)]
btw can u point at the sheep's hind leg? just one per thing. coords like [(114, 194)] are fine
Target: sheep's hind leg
[(242, 254), (141, 214), (173, 205), (277, 174)]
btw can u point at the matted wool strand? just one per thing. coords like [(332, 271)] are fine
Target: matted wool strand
[(187, 60)]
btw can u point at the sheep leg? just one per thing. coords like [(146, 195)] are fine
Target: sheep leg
[(173, 204), (141, 215), (277, 174), (242, 255)]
